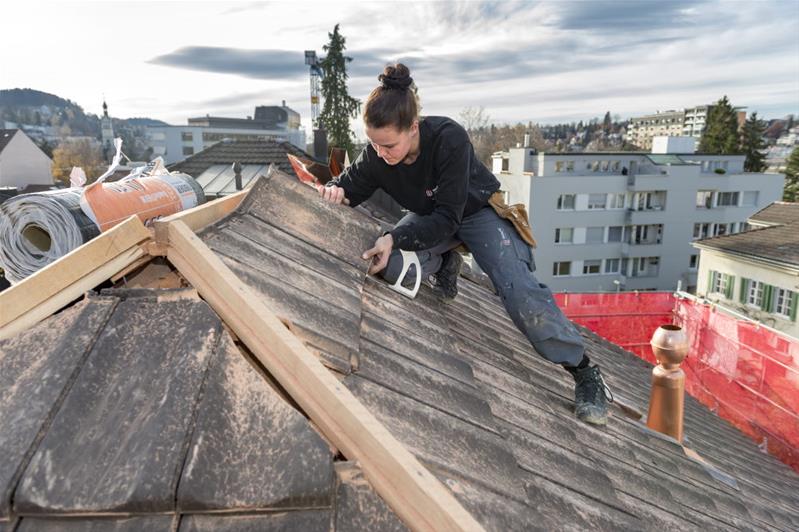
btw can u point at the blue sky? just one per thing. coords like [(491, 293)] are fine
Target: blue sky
[(541, 61)]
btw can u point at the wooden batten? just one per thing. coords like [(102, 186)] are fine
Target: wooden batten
[(39, 295), (416, 496), (203, 215)]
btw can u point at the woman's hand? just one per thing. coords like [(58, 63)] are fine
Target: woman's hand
[(379, 253), (333, 194)]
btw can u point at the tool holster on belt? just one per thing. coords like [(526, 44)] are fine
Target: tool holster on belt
[(516, 214)]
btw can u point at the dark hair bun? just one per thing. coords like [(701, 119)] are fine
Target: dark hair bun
[(396, 77)]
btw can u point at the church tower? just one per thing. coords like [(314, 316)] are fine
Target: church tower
[(107, 133)]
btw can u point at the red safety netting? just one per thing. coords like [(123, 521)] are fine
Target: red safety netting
[(627, 319), (749, 375)]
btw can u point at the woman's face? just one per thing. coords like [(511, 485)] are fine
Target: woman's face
[(391, 144)]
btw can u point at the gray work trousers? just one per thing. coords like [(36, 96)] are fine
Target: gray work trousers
[(508, 260)]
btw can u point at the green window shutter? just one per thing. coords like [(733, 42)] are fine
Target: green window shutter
[(794, 301), (767, 298), (709, 282), (744, 289), (730, 287)]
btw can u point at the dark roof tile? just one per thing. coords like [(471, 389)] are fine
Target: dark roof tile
[(778, 213), (263, 152), (779, 243), (5, 137)]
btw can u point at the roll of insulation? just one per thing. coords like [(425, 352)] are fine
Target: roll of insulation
[(36, 229)]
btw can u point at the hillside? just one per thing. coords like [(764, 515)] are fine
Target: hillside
[(48, 118)]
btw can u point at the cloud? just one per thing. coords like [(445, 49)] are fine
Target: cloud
[(257, 64), (628, 15)]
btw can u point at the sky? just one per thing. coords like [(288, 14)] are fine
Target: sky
[(539, 61)]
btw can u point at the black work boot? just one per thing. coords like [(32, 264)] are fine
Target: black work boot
[(445, 283), (591, 395)]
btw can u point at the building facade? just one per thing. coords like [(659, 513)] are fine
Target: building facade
[(756, 273), (625, 221), (643, 129), (175, 143), (688, 123), (22, 162)]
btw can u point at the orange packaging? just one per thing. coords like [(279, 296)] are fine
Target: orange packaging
[(150, 198)]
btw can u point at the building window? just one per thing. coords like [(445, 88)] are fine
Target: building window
[(704, 199), (750, 198), (728, 199), (693, 262), (570, 166), (612, 265), (616, 166), (595, 166), (755, 293), (721, 283), (566, 202), (560, 269), (187, 136), (701, 230), (616, 201), (597, 201), (564, 235), (591, 267), (605, 166), (558, 166), (188, 150), (615, 233), (784, 303), (595, 235)]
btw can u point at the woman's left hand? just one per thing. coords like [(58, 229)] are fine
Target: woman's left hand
[(379, 253)]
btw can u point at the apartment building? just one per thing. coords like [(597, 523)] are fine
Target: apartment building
[(643, 129), (175, 143), (625, 221), (684, 122)]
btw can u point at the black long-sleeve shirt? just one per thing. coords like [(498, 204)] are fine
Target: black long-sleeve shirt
[(445, 183)]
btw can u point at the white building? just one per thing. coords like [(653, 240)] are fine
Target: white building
[(625, 220), (175, 143), (756, 273), (22, 163)]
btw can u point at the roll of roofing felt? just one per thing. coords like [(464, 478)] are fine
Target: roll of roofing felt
[(36, 229)]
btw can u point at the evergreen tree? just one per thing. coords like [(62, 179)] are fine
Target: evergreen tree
[(791, 192), (339, 106), (607, 122), (752, 143), (721, 131)]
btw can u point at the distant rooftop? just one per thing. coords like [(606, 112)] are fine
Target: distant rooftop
[(778, 213), (775, 244)]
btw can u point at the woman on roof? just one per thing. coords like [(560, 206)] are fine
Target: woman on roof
[(427, 164)]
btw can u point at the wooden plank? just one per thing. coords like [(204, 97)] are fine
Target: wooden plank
[(71, 292), (54, 278), (203, 215), (420, 500)]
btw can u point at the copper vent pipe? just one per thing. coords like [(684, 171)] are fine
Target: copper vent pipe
[(667, 398)]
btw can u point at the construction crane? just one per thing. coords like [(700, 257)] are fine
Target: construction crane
[(315, 67)]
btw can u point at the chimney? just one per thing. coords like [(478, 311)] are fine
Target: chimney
[(320, 144), (284, 103), (527, 139), (667, 398), (237, 172)]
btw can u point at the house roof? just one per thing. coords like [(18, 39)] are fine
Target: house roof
[(135, 409), (246, 152), (776, 243), (5, 137), (778, 213)]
